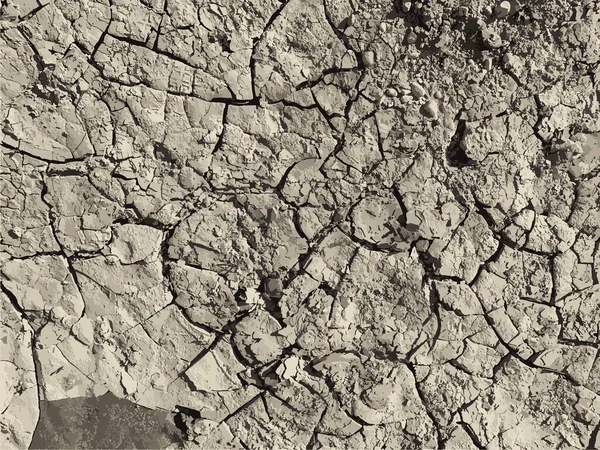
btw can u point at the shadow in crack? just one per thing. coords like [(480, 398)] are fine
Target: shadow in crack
[(102, 422)]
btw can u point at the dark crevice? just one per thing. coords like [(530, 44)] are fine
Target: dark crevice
[(423, 399), (594, 438), (455, 154), (469, 430), (13, 300)]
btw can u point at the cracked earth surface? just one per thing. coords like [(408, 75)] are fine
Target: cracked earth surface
[(307, 224)]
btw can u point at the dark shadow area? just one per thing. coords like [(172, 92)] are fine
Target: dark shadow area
[(455, 153), (102, 423)]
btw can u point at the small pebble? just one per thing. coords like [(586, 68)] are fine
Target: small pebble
[(414, 55), (418, 5), (431, 109), (391, 92), (406, 98), (503, 10), (368, 58), (386, 102), (406, 7), (411, 37), (417, 90), (438, 95), (463, 11), (350, 21), (487, 64)]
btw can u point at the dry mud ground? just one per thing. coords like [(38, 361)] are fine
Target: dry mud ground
[(250, 224)]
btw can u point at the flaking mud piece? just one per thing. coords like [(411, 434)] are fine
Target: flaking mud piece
[(299, 225)]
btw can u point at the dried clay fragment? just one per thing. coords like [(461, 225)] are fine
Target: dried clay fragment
[(492, 39)]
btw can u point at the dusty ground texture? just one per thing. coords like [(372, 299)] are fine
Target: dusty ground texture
[(252, 224)]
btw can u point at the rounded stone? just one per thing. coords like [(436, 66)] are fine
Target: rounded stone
[(417, 90), (368, 58), (430, 109), (503, 10)]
